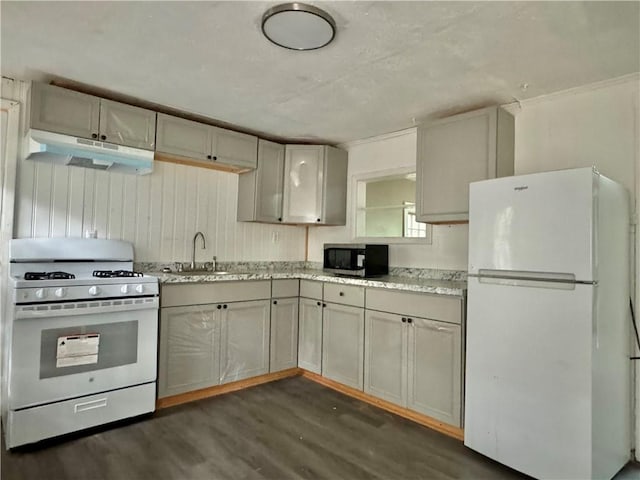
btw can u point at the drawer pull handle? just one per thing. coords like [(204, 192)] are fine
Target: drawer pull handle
[(83, 407), (341, 294)]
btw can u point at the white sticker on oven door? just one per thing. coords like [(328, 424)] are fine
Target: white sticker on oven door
[(77, 350)]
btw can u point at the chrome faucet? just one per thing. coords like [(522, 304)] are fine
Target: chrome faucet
[(193, 252)]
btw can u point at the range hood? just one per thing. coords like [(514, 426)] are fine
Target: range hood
[(67, 150)]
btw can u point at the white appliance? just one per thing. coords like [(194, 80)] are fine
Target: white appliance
[(547, 357), (81, 342), (82, 152)]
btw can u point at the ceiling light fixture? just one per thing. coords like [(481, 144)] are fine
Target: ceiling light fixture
[(298, 26)]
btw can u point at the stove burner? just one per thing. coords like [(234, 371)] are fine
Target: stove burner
[(48, 275), (115, 273)]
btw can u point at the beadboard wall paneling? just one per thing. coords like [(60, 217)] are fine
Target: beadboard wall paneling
[(159, 213)]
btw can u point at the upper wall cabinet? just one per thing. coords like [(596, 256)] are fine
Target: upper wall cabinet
[(260, 191), (295, 184), (456, 151), (315, 185), (59, 110), (206, 144)]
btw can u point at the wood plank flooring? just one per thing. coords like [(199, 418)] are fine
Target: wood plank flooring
[(292, 428)]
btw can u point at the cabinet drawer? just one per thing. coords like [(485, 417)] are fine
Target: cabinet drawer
[(215, 292), (34, 424), (284, 288), (311, 289), (345, 294), (425, 305)]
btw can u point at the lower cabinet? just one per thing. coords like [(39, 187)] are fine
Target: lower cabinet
[(343, 344), (415, 363), (189, 349), (310, 335), (435, 369), (284, 334), (385, 363), (244, 345)]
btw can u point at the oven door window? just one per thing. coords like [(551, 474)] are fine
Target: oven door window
[(70, 350)]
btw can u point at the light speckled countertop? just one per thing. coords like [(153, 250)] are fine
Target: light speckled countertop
[(412, 284)]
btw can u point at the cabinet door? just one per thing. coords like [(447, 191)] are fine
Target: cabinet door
[(310, 335), (435, 375), (334, 189), (244, 347), (127, 125), (189, 349), (234, 148), (303, 179), (385, 356), (269, 188), (177, 136), (452, 153), (59, 110), (343, 344), (284, 334)]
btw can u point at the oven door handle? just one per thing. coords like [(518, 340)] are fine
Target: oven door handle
[(93, 404)]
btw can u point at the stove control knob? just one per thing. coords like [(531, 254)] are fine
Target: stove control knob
[(124, 289), (41, 293), (140, 288), (93, 291), (60, 292)]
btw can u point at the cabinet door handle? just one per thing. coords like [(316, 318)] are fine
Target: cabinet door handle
[(208, 157), (341, 294), (404, 320), (224, 306), (409, 320), (94, 135), (275, 302), (84, 406), (324, 305), (318, 220), (215, 158), (318, 303), (280, 219), (219, 307), (103, 137)]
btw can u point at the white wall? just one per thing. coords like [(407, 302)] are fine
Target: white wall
[(159, 213), (448, 249)]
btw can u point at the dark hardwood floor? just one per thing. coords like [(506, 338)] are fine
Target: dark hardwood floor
[(292, 428)]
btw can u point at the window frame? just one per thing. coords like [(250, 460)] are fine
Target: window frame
[(357, 199)]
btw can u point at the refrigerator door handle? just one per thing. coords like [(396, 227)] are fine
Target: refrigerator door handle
[(518, 278)]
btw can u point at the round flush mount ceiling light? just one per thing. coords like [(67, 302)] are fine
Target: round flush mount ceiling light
[(298, 26)]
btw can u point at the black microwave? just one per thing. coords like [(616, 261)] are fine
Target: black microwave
[(356, 259)]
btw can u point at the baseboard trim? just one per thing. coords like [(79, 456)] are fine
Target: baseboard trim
[(226, 388), (425, 420)]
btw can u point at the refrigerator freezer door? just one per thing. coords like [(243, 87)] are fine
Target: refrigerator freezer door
[(534, 223), (528, 377)]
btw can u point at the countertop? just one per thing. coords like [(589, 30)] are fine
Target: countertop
[(422, 285)]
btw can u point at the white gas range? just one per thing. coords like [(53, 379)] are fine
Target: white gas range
[(81, 340)]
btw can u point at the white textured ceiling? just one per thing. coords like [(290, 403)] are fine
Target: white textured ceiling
[(391, 64)]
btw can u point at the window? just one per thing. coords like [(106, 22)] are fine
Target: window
[(385, 208)]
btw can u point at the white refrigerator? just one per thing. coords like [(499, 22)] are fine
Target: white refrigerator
[(547, 381)]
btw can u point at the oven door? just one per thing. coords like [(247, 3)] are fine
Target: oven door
[(61, 351)]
